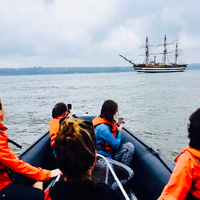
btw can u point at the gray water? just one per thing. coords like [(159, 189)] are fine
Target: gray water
[(156, 107)]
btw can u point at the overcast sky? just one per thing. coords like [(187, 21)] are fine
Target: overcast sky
[(70, 33)]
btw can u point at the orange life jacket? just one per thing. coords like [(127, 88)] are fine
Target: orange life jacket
[(9, 160), (98, 120), (54, 127)]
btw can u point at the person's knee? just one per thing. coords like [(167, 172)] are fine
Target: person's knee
[(129, 146)]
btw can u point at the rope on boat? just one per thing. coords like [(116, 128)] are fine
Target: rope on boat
[(115, 176)]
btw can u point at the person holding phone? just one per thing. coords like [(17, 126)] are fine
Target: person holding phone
[(59, 113), (9, 190), (109, 136)]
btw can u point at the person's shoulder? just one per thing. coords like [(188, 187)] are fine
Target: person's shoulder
[(102, 190), (186, 160), (3, 136), (102, 127), (185, 155)]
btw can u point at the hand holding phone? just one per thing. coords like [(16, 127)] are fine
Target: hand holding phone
[(69, 106), (71, 110), (121, 121)]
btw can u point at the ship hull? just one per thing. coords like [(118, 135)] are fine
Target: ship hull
[(159, 68)]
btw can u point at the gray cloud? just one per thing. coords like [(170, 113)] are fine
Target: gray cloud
[(92, 33)]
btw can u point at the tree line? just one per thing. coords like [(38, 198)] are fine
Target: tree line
[(62, 70)]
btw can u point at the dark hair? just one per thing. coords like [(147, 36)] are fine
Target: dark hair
[(75, 148), (59, 109), (194, 130), (108, 110)]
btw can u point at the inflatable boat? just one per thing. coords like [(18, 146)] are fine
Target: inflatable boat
[(151, 169)]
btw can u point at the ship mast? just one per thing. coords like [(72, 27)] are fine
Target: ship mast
[(165, 49), (146, 47), (176, 52), (147, 51)]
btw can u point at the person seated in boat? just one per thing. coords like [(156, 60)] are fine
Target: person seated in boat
[(75, 148), (185, 178), (109, 140), (59, 113), (9, 190)]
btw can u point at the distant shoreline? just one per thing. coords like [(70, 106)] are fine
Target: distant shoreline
[(72, 70), (61, 70)]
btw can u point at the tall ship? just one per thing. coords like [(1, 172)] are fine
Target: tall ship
[(156, 67)]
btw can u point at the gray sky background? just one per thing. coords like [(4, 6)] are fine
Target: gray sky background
[(63, 33)]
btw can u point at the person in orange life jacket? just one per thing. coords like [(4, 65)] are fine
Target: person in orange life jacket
[(59, 114), (184, 182), (109, 137), (75, 148), (8, 161)]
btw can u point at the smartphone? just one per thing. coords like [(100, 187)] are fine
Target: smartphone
[(69, 106), (121, 120)]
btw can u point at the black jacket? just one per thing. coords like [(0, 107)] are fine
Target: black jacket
[(85, 190)]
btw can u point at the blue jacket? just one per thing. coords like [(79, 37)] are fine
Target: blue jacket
[(103, 135)]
